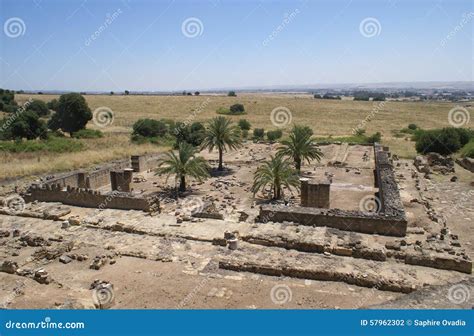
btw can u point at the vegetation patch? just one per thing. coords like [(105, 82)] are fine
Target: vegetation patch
[(52, 145)]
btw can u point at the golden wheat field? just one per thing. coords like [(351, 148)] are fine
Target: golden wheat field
[(326, 117)]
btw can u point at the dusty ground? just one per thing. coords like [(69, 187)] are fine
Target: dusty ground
[(155, 262)]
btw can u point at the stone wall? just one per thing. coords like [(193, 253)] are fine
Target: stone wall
[(388, 188), (141, 163), (92, 199), (315, 193), (93, 179), (357, 221)]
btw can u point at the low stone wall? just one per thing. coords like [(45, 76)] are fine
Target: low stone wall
[(357, 221), (388, 188), (91, 180), (466, 163), (92, 199), (141, 163)]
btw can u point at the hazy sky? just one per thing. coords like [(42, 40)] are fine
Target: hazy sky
[(187, 45)]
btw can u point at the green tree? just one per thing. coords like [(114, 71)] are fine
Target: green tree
[(39, 107), (72, 115), (184, 163), (221, 134), (300, 146), (192, 134), (275, 173), (27, 125), (53, 104), (231, 94)]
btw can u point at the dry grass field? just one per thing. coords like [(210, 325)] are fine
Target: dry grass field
[(326, 117)]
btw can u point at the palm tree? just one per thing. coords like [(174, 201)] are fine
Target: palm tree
[(300, 146), (221, 134), (275, 173), (185, 163)]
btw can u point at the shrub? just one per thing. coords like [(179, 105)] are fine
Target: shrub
[(88, 134), (223, 110), (374, 138), (149, 128), (192, 134), (360, 132), (53, 104), (53, 144), (245, 134), (258, 133), (244, 124), (468, 150), (274, 135), (237, 109), (27, 125), (231, 94), (465, 135), (39, 107), (412, 127), (445, 141)]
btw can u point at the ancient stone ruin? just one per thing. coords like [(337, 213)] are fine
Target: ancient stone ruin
[(388, 217)]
